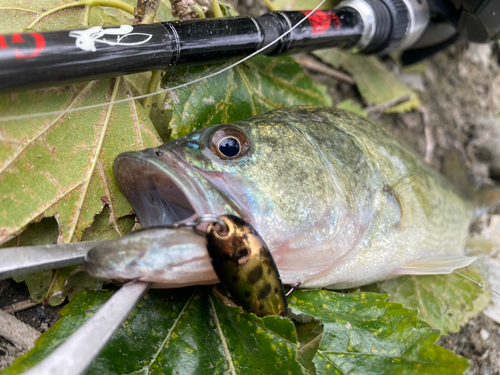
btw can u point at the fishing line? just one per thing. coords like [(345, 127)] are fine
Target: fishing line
[(481, 285), (101, 105)]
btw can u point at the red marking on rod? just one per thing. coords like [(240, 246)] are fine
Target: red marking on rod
[(3, 42), (18, 39), (321, 21)]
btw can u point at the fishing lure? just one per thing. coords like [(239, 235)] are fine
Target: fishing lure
[(245, 267), (239, 256)]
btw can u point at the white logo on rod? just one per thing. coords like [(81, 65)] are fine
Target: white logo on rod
[(86, 39)]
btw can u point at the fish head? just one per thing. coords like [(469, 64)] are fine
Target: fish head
[(263, 170), (184, 178)]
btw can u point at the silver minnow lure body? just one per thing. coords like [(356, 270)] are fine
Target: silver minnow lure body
[(338, 200)]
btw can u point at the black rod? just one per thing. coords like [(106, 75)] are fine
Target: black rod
[(33, 59)]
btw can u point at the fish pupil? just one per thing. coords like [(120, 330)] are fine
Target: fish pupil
[(229, 147)]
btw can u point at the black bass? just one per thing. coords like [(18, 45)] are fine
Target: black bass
[(338, 200)]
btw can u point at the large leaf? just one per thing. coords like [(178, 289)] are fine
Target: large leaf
[(375, 83), (446, 302), (192, 331), (179, 331), (363, 334), (61, 165), (255, 86), (19, 16)]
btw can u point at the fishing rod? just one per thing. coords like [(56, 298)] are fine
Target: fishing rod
[(422, 27)]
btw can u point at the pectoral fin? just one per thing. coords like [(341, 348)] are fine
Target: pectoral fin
[(409, 194), (438, 264)]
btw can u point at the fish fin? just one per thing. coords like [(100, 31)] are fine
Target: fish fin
[(483, 195), (456, 170), (409, 194), (434, 265), (479, 246)]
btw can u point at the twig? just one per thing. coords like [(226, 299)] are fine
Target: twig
[(183, 9), (388, 104), (18, 333), (20, 306), (145, 11), (318, 67)]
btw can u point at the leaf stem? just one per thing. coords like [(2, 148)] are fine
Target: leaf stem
[(154, 82), (270, 5), (95, 161), (198, 11), (90, 3), (216, 9), (146, 12), (164, 344), (20, 9), (222, 337)]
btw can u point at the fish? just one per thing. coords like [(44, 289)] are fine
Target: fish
[(339, 201)]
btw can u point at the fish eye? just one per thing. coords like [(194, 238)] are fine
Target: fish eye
[(229, 143), (229, 147)]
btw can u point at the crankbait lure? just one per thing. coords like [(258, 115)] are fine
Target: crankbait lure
[(245, 267)]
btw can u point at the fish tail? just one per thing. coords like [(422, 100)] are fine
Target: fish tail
[(482, 195)]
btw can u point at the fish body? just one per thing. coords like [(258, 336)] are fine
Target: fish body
[(338, 200)]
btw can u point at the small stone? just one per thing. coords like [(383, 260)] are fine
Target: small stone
[(414, 81), (485, 335), (479, 54)]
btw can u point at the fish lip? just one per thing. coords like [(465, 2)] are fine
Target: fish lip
[(141, 173)]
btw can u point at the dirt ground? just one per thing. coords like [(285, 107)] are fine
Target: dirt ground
[(460, 92)]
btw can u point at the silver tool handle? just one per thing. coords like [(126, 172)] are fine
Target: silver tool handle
[(79, 350), (15, 261)]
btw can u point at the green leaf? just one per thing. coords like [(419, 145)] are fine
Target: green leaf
[(18, 16), (104, 227), (62, 164), (255, 86), (309, 334), (363, 334), (178, 331), (190, 330), (375, 84), (349, 105), (446, 302), (44, 232)]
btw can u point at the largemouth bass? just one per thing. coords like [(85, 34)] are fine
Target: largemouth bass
[(338, 200)]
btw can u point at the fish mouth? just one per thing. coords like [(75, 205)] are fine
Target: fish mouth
[(163, 189)]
